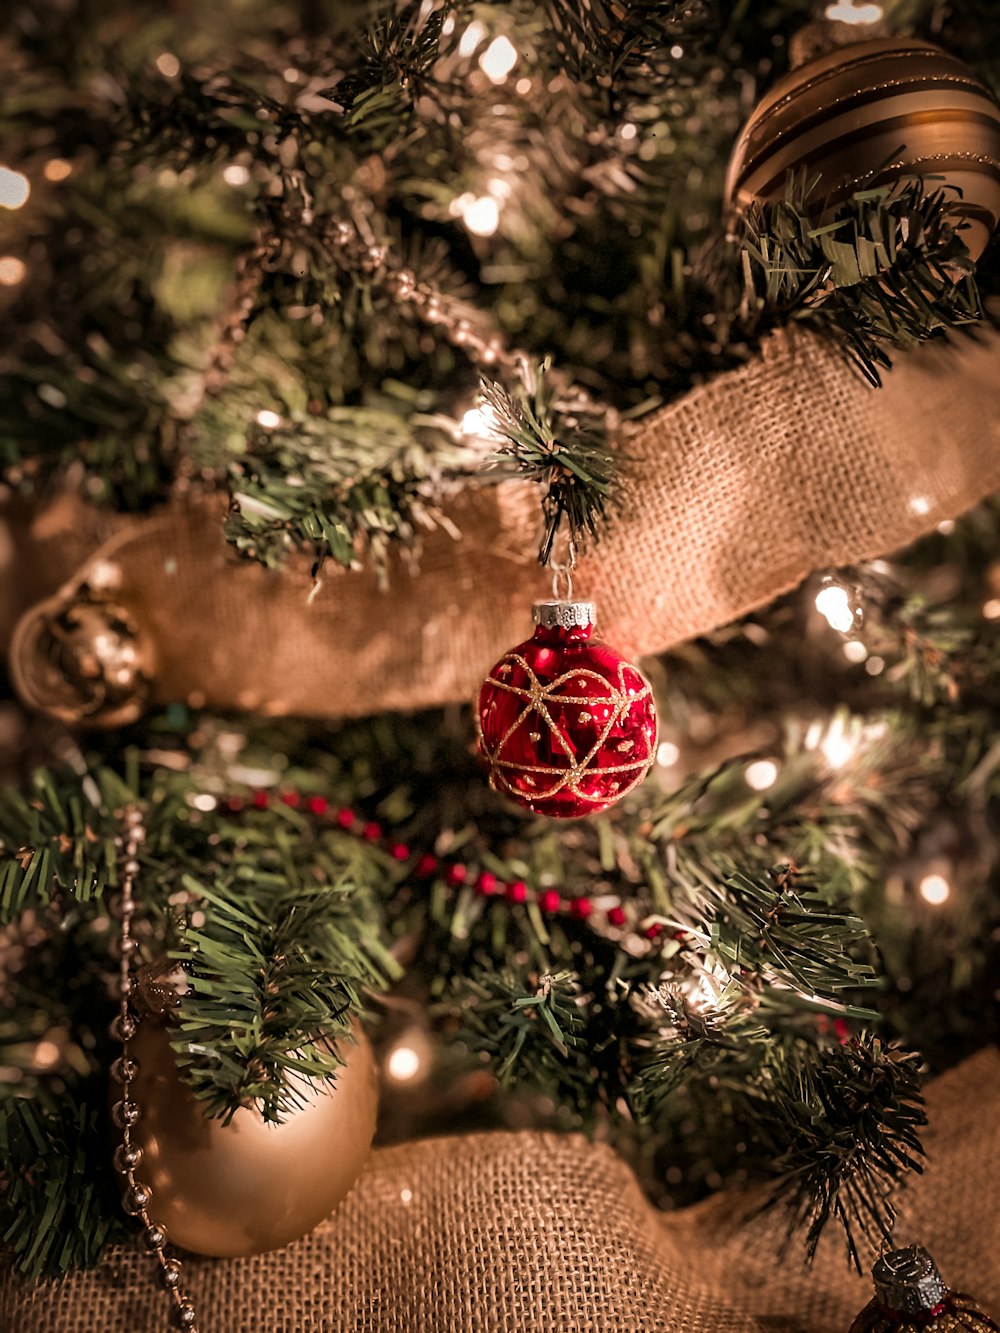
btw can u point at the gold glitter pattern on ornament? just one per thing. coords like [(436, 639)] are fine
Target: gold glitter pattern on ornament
[(960, 1315), (538, 697)]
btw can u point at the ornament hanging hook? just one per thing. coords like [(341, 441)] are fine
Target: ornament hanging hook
[(564, 573)]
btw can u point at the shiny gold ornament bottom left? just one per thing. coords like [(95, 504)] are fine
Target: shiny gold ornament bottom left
[(249, 1186)]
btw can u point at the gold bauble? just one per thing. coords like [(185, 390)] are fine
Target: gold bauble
[(248, 1186), (82, 660), (849, 112)]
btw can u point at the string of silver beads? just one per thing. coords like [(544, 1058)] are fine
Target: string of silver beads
[(126, 1112), (461, 324)]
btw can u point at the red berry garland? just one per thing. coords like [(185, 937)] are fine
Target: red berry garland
[(567, 725), (426, 866)]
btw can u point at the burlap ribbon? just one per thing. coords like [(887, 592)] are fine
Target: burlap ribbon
[(736, 492), (537, 1233)]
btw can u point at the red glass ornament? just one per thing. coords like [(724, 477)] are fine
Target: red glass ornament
[(566, 724)]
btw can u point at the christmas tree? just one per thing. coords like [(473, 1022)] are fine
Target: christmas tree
[(337, 334)]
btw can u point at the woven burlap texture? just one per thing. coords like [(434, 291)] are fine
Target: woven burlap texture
[(537, 1233), (735, 493)]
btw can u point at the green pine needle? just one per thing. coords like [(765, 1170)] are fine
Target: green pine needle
[(564, 448)]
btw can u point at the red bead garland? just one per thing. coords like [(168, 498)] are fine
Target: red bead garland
[(428, 866)]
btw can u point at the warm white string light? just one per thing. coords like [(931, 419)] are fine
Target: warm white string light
[(268, 419), (480, 213), (480, 423), (498, 59), (761, 774), (934, 889), (236, 174), (842, 739), (847, 11), (667, 754), (15, 188), (409, 1058), (403, 1064), (471, 38), (834, 604), (57, 169), (12, 271)]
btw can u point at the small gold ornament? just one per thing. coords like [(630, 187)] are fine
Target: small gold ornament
[(910, 1297), (869, 114), (249, 1186), (82, 659)]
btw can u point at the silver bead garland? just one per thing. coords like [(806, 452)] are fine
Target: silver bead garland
[(460, 323), (126, 1113)]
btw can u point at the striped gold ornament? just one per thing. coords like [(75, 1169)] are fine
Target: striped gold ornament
[(869, 114)]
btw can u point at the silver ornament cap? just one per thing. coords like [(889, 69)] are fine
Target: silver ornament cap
[(907, 1281), (557, 614)]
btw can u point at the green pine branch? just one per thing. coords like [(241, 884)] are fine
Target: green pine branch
[(564, 447), (850, 1127), (60, 1207), (888, 270), (530, 1027), (345, 485), (279, 971)]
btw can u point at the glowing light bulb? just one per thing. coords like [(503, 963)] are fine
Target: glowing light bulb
[(667, 754), (236, 174), (498, 59), (14, 188), (480, 423), (855, 651), (761, 774), (46, 1054), (704, 990), (482, 215), (403, 1064), (57, 169), (834, 603), (837, 746), (846, 11), (991, 608), (935, 889), (471, 38), (168, 65), (12, 271), (269, 420)]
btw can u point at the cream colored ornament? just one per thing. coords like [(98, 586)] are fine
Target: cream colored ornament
[(249, 1186)]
